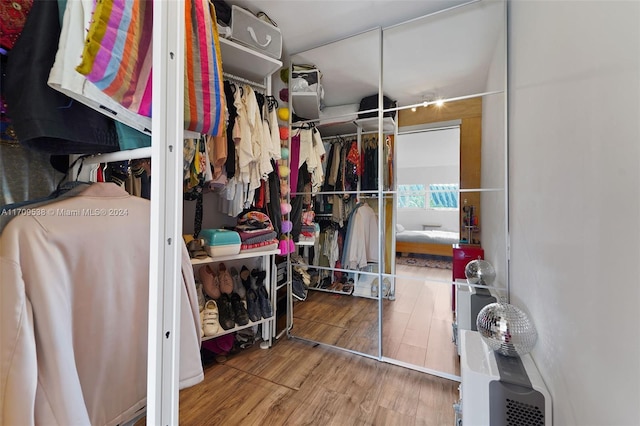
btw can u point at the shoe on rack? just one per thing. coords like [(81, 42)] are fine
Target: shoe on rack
[(348, 286), (264, 302), (245, 277), (386, 287), (226, 316), (259, 277), (210, 283), (298, 289), (240, 312), (200, 296), (237, 283), (253, 306), (226, 282), (210, 325)]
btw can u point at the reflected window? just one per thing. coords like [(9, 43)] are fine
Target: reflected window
[(443, 196), (412, 196)]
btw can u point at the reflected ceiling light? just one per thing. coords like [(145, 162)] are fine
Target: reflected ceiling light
[(427, 99), (439, 103), (413, 109)]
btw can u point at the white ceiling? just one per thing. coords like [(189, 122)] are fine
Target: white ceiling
[(430, 55), (306, 24)]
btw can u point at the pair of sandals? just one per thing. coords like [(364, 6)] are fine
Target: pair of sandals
[(215, 284)]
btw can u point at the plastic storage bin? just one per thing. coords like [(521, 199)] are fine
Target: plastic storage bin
[(221, 242)]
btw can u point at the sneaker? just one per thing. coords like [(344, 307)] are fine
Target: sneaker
[(210, 325), (240, 312), (299, 290), (226, 315)]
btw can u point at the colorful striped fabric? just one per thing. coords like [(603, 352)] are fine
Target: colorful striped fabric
[(117, 58), (203, 103)]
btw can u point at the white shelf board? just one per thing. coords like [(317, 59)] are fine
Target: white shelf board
[(336, 129), (371, 124), (306, 105), (305, 242), (222, 331), (245, 62), (234, 257)]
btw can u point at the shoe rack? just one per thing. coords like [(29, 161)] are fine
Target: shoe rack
[(258, 261)]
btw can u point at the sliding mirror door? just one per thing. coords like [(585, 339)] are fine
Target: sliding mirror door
[(338, 259), (447, 72)]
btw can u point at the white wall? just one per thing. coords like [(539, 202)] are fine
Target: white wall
[(574, 210)]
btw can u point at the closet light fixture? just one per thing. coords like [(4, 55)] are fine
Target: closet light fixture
[(439, 102)]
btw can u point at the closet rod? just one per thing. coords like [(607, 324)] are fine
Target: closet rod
[(110, 157), (349, 135), (238, 79)]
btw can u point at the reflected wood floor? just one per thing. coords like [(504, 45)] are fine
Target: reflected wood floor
[(416, 326), (300, 383)]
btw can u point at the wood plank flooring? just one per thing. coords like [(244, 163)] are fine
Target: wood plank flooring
[(300, 383)]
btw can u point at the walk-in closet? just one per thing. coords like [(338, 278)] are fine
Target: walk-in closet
[(206, 220)]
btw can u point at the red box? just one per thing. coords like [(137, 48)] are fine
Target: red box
[(463, 254)]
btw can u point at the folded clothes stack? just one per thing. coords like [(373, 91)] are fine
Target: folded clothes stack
[(256, 232)]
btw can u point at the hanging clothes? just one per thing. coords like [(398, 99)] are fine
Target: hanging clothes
[(135, 126), (45, 119), (74, 330), (362, 238)]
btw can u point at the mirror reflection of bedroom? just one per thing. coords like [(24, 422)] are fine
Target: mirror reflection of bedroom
[(417, 325), (438, 182)]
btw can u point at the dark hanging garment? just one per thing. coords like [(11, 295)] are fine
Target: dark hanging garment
[(230, 164), (43, 118), (273, 207), (297, 203)]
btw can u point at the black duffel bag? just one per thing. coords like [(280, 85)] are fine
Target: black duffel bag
[(371, 102)]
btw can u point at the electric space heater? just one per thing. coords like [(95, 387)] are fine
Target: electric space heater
[(498, 390)]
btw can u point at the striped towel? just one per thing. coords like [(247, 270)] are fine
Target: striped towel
[(117, 58)]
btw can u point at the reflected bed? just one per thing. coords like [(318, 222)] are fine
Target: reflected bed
[(433, 242)]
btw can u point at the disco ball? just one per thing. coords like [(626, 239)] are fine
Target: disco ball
[(506, 329), (480, 272)]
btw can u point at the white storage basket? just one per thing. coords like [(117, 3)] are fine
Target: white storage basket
[(248, 29)]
